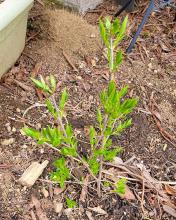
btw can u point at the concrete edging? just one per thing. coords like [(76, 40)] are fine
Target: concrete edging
[(81, 5)]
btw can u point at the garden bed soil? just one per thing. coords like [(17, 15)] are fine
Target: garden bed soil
[(150, 73)]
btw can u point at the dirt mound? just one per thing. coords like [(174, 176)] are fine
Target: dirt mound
[(72, 32), (66, 32)]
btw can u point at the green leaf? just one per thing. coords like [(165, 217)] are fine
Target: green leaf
[(111, 88), (31, 133), (62, 173), (63, 99), (68, 151), (92, 135), (115, 27), (123, 92), (70, 203), (121, 186), (51, 108), (99, 118), (118, 59), (103, 33), (122, 126), (121, 33), (109, 155), (123, 27), (41, 84), (53, 83), (107, 23), (128, 105), (94, 165), (69, 130)]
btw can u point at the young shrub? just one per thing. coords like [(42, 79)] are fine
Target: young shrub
[(112, 120)]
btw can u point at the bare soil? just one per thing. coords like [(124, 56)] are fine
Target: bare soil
[(150, 72)]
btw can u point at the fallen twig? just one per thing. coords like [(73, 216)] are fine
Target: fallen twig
[(69, 61), (36, 105)]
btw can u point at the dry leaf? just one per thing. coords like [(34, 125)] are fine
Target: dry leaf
[(40, 213), (169, 210), (170, 190), (84, 189), (99, 210), (33, 215), (163, 46), (89, 215), (24, 86), (51, 191), (45, 192), (157, 115), (128, 194), (58, 191)]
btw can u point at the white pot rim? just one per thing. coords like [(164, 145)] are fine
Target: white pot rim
[(10, 9)]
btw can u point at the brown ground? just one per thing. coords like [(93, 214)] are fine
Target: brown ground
[(149, 69)]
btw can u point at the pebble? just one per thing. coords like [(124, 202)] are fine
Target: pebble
[(42, 150), (150, 66), (7, 142), (13, 129), (38, 126), (24, 146), (58, 206), (18, 110)]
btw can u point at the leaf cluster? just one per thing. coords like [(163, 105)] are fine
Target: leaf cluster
[(112, 33)]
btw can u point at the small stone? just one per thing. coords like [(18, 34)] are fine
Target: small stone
[(150, 65), (13, 129), (92, 36), (38, 126), (68, 212), (24, 146), (45, 192), (18, 110), (7, 142), (117, 160), (42, 150), (58, 206)]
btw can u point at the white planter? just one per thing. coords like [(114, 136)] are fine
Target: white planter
[(81, 5), (13, 23)]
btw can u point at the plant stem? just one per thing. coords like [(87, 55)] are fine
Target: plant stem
[(59, 118), (101, 158), (111, 59), (54, 148), (99, 177), (87, 166)]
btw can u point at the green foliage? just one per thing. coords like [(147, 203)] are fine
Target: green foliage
[(121, 186), (70, 203), (42, 84), (62, 173), (94, 165), (51, 108), (63, 100), (112, 119), (112, 33)]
